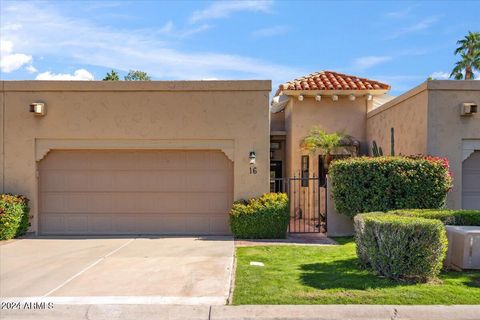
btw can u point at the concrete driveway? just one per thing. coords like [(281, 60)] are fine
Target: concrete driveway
[(164, 270)]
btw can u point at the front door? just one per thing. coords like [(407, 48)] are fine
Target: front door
[(276, 178)]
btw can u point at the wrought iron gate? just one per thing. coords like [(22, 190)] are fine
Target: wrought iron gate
[(308, 202)]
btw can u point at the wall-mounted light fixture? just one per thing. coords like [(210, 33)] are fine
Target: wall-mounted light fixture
[(318, 98), (369, 96), (334, 97), (252, 156), (351, 97), (300, 97), (38, 108)]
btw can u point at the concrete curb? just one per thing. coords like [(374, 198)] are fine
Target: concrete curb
[(262, 312), (345, 312)]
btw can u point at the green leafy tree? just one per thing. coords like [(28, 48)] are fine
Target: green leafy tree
[(469, 51), (112, 76), (137, 75)]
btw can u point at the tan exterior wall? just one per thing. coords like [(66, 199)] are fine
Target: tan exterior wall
[(408, 115), (277, 121), (447, 129), (343, 115), (232, 115)]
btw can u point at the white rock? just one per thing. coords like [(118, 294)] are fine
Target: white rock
[(257, 264)]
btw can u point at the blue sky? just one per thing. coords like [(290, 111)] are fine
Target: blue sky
[(398, 42)]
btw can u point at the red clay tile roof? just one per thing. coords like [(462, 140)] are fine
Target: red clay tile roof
[(329, 80)]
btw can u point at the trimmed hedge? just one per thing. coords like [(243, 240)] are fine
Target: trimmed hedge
[(14, 218), (450, 217), (266, 217), (400, 247), (386, 183)]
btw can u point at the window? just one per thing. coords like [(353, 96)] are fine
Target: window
[(305, 171)]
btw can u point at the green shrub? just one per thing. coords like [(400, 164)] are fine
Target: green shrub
[(385, 183), (399, 247), (13, 216), (266, 217), (450, 217)]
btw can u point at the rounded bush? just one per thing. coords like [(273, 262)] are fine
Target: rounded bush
[(367, 184), (14, 218), (400, 247), (266, 217)]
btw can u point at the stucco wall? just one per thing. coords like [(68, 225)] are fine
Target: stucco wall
[(447, 129), (407, 114), (277, 121), (124, 113), (343, 115)]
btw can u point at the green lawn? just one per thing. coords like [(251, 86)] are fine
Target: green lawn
[(331, 275)]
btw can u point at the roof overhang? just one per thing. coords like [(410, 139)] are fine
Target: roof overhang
[(312, 93)]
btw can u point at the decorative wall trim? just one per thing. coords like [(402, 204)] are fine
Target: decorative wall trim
[(43, 146), (469, 147)]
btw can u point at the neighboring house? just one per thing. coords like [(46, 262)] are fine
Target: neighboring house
[(431, 119), (159, 157)]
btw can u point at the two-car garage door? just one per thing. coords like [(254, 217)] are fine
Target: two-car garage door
[(135, 192)]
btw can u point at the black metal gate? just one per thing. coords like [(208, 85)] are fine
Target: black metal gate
[(308, 205)]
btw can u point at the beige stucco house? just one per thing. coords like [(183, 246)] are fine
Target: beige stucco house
[(438, 118), (159, 157), (170, 157), (429, 119)]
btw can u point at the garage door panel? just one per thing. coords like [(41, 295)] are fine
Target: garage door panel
[(135, 192), (51, 202)]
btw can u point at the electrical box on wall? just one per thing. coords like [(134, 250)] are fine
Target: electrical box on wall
[(468, 109)]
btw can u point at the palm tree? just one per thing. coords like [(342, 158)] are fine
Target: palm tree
[(319, 140), (469, 51)]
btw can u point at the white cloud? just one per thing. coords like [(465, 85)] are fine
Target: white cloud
[(11, 27), (78, 40), (10, 61), (402, 13), (167, 28), (419, 26), (440, 75), (270, 32), (31, 69), (80, 74), (363, 63), (223, 9)]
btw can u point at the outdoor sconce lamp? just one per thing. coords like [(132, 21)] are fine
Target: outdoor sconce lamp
[(38, 108), (351, 97), (318, 98), (300, 97), (334, 97), (252, 156), (369, 97)]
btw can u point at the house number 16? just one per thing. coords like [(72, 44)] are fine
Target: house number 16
[(253, 170)]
